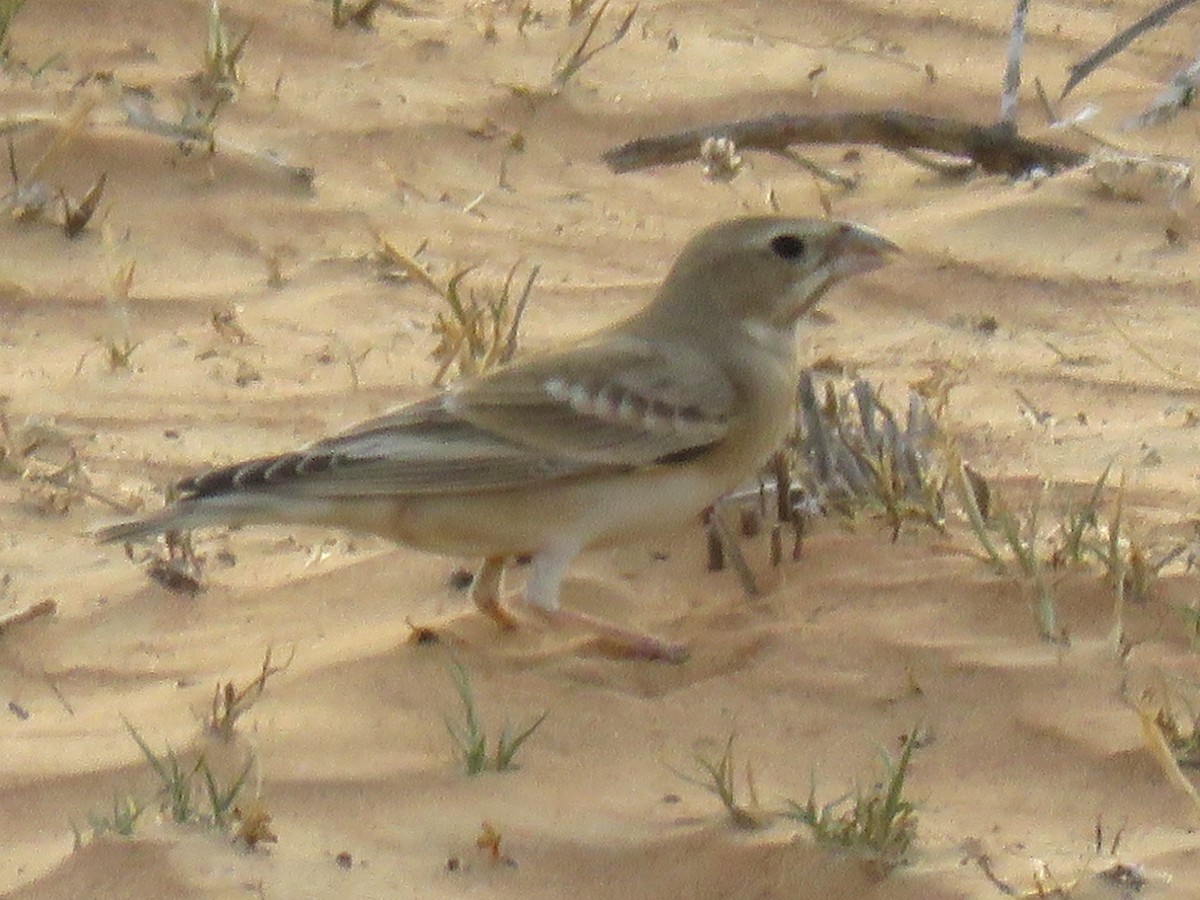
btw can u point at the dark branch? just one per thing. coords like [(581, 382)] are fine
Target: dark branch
[(995, 149)]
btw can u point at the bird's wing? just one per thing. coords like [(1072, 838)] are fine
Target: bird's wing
[(617, 400), (609, 405)]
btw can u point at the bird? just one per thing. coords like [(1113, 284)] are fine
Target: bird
[(620, 435)]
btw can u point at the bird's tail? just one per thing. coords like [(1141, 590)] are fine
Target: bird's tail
[(236, 509), (174, 518)]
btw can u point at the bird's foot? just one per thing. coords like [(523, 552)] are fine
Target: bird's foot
[(485, 593), (494, 610), (626, 641)]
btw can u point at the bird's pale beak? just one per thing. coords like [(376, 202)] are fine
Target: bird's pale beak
[(856, 249)]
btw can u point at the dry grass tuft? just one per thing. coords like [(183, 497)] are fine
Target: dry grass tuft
[(853, 455), (584, 51), (46, 460), (32, 194), (230, 703), (479, 330), (222, 55)]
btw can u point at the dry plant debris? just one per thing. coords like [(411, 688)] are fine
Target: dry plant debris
[(254, 824), (230, 703), (853, 455), (1139, 178), (584, 51), (360, 14), (480, 330), (1179, 94), (1156, 17), (45, 460), (37, 610), (177, 567), (489, 841), (32, 195)]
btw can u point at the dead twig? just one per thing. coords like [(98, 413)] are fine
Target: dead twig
[(1156, 17), (28, 614), (1146, 356), (995, 149), (818, 171), (951, 168), (733, 553)]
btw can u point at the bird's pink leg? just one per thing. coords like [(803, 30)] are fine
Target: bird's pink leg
[(541, 596)]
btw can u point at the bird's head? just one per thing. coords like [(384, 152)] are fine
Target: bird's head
[(767, 269)]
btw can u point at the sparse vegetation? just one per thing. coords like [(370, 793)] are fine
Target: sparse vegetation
[(222, 55), (470, 737), (986, 513), (1078, 536), (854, 455), (121, 820), (719, 778), (878, 823), (8, 12), (177, 783), (851, 456), (118, 344), (191, 789)]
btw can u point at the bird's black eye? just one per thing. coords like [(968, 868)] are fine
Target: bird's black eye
[(788, 246)]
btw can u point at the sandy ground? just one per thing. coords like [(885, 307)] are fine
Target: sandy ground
[(410, 130)]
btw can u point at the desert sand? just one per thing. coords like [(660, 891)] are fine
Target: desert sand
[(434, 129)]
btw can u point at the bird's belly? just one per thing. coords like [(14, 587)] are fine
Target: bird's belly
[(582, 513), (574, 513)]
